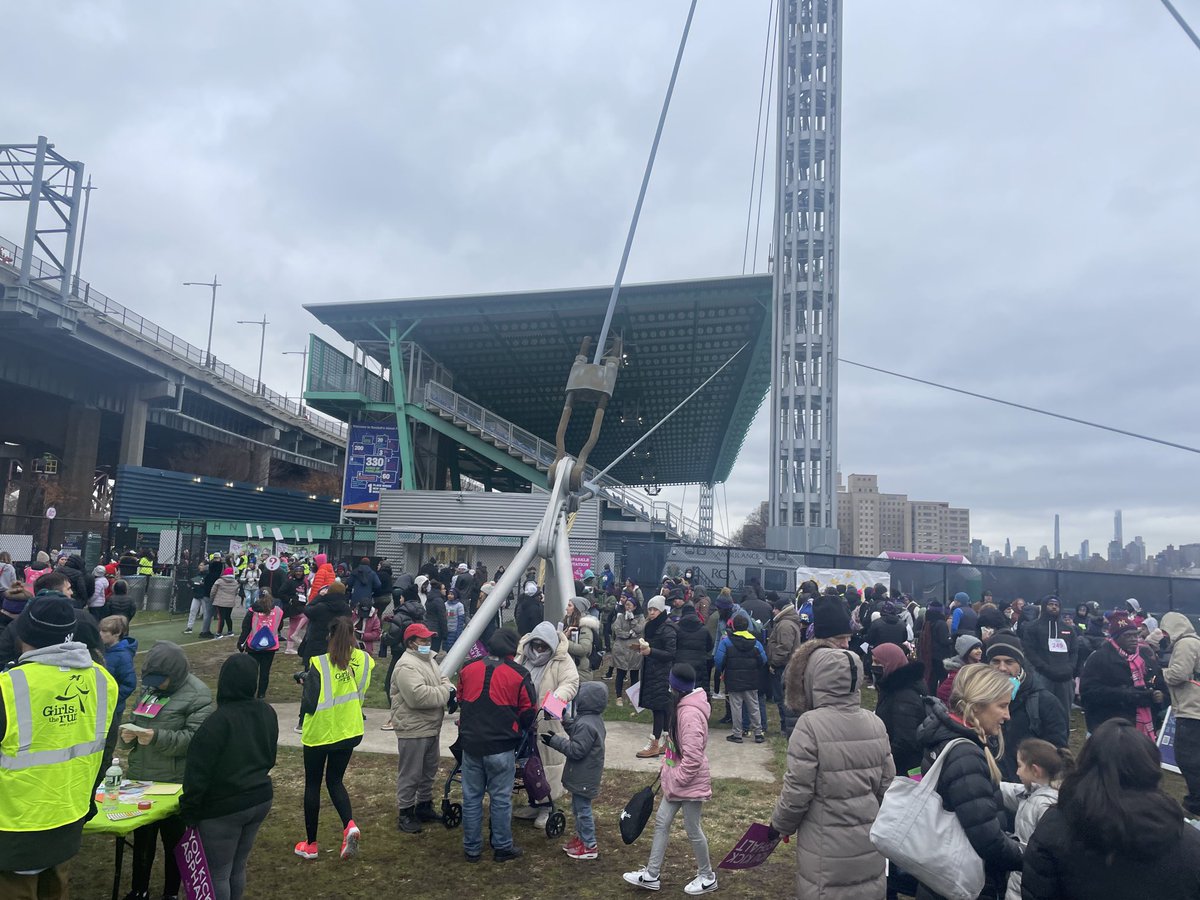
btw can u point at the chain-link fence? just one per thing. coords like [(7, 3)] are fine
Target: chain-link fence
[(735, 567)]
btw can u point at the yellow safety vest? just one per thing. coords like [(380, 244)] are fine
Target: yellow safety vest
[(339, 706), (57, 721), (145, 566)]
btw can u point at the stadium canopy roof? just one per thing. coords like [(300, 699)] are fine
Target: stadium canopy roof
[(512, 352)]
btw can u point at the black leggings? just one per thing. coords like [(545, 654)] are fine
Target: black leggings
[(328, 761), (264, 658), (224, 617), (660, 722), (633, 679), (145, 843)]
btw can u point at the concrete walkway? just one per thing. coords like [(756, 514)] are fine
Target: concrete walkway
[(749, 760)]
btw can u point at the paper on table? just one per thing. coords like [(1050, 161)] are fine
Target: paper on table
[(553, 705), (634, 693), (164, 788)]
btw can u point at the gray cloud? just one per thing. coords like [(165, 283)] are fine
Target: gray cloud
[(1018, 214)]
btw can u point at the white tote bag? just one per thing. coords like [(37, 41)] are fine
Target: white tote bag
[(915, 832)]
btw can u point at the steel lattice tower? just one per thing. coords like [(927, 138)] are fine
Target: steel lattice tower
[(804, 375)]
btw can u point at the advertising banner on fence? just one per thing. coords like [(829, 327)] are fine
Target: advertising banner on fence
[(372, 465), (860, 578)]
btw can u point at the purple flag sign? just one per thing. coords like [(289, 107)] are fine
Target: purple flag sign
[(193, 866), (752, 850)]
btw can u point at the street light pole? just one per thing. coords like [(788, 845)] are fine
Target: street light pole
[(87, 202), (212, 312), (262, 343), (303, 354)]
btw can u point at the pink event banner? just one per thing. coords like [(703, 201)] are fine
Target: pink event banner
[(752, 850)]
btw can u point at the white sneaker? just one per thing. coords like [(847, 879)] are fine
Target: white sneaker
[(717, 695), (542, 818), (701, 885), (641, 879)]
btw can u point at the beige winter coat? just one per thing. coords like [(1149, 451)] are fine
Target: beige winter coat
[(839, 764), (562, 678), (1180, 675), (419, 696)]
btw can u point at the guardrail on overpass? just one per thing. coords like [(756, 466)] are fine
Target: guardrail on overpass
[(11, 257)]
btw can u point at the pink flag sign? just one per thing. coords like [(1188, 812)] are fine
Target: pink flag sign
[(193, 866), (752, 850)]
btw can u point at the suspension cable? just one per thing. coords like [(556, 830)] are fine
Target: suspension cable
[(637, 209), (762, 90), (1187, 29), (1033, 409)]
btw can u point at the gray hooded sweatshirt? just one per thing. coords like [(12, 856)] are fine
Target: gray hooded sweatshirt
[(583, 745)]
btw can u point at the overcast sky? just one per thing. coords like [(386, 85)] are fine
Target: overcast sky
[(1021, 202)]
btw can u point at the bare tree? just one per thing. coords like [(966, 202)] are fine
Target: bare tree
[(753, 532)]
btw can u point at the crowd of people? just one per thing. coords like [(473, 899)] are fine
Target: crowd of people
[(985, 689)]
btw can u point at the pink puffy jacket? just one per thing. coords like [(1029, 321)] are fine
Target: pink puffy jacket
[(689, 777)]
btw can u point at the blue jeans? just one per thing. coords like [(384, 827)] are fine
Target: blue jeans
[(585, 825), (494, 775)]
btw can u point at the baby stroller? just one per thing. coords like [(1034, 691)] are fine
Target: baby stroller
[(529, 777)]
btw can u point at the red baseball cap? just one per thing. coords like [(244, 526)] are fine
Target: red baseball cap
[(416, 630)]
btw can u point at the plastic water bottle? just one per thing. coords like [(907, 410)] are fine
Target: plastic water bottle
[(112, 785)]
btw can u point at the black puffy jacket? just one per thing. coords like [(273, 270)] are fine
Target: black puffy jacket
[(968, 791), (1034, 713), (742, 663), (901, 706), (1165, 864), (1107, 691), (693, 644), (887, 629), (662, 636)]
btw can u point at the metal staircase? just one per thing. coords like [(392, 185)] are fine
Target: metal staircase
[(532, 450)]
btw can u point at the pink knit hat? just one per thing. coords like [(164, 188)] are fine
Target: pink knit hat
[(890, 657)]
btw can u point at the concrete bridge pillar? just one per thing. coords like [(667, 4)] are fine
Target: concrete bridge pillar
[(79, 462), (133, 429)]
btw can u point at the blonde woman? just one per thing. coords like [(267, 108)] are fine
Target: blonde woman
[(970, 780)]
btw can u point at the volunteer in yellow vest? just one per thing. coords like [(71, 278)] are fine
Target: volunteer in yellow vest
[(56, 704), (146, 564), (332, 726)]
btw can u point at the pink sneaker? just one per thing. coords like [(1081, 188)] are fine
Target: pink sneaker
[(350, 839), (580, 851), (305, 850), (572, 844)]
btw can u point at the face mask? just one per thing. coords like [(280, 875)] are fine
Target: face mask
[(424, 651), (1016, 685)]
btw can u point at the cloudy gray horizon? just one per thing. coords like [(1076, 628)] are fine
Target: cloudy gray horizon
[(1019, 203)]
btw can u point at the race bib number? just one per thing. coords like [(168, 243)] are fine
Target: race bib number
[(1058, 645), (150, 706)]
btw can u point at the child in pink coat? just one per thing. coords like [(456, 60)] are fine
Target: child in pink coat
[(368, 628), (686, 783)]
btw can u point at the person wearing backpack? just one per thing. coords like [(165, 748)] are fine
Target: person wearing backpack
[(260, 636), (36, 569)]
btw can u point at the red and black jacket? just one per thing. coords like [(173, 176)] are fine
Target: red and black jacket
[(497, 701)]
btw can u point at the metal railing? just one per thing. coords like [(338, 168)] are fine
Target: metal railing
[(117, 314), (541, 454)]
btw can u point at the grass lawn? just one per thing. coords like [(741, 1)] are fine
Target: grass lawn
[(431, 865)]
